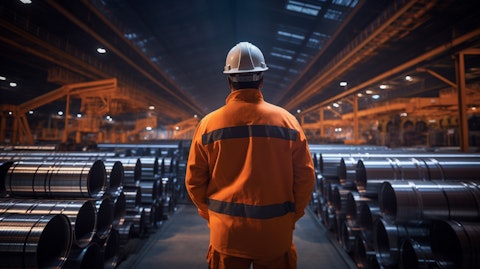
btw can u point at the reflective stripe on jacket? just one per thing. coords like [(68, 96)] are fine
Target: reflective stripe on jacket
[(250, 173)]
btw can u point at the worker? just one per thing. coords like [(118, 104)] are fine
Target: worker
[(249, 172)]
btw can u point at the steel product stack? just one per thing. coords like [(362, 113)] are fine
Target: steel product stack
[(105, 199), (400, 209)]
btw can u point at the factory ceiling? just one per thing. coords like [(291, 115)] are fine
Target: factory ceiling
[(170, 54)]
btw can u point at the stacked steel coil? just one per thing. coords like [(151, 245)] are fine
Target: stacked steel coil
[(106, 200), (397, 209)]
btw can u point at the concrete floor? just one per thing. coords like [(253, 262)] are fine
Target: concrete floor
[(181, 243)]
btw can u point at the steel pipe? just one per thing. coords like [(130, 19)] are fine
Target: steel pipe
[(110, 249), (34, 241), (88, 257), (149, 168), (59, 180), (133, 196), (137, 216), (104, 217), (132, 169), (416, 254), (115, 177), (456, 244), (4, 166), (407, 201), (82, 214), (119, 209), (363, 253)]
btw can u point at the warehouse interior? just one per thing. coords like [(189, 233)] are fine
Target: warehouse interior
[(385, 90)]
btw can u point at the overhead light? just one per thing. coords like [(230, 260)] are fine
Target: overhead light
[(335, 105), (79, 115), (26, 1), (299, 110), (383, 86), (101, 50), (375, 96), (359, 94), (151, 107), (60, 113), (30, 112), (148, 128), (408, 78), (369, 92), (3, 78), (343, 83), (13, 84)]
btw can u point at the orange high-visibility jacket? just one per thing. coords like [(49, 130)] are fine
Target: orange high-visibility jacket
[(251, 175)]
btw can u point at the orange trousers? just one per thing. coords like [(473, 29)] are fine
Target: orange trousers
[(217, 260)]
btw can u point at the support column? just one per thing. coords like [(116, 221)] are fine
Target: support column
[(462, 107)]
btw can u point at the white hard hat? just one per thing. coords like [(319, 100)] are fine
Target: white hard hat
[(244, 58)]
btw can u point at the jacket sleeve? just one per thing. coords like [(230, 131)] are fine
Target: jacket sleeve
[(304, 176), (197, 175)]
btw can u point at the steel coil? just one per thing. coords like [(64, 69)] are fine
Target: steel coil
[(149, 167), (388, 237), (456, 243), (104, 217), (58, 180), (407, 201), (4, 166), (126, 231), (34, 241), (88, 257), (351, 204), (149, 191), (119, 207), (363, 253), (137, 216), (110, 249), (132, 169), (416, 254), (339, 199), (133, 196), (81, 213), (115, 177)]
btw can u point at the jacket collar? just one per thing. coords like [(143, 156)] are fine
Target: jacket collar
[(246, 95)]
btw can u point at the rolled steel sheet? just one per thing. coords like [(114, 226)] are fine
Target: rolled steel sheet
[(149, 191), (347, 234), (82, 214), (388, 237), (126, 231), (119, 209), (88, 257), (363, 254), (115, 177), (351, 205), (132, 169), (149, 167), (58, 180), (34, 241), (137, 216), (110, 249), (329, 165), (459, 168), (166, 166), (339, 198), (416, 254), (456, 244), (347, 172), (151, 215), (409, 201), (104, 217), (133, 196), (4, 166), (368, 213)]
